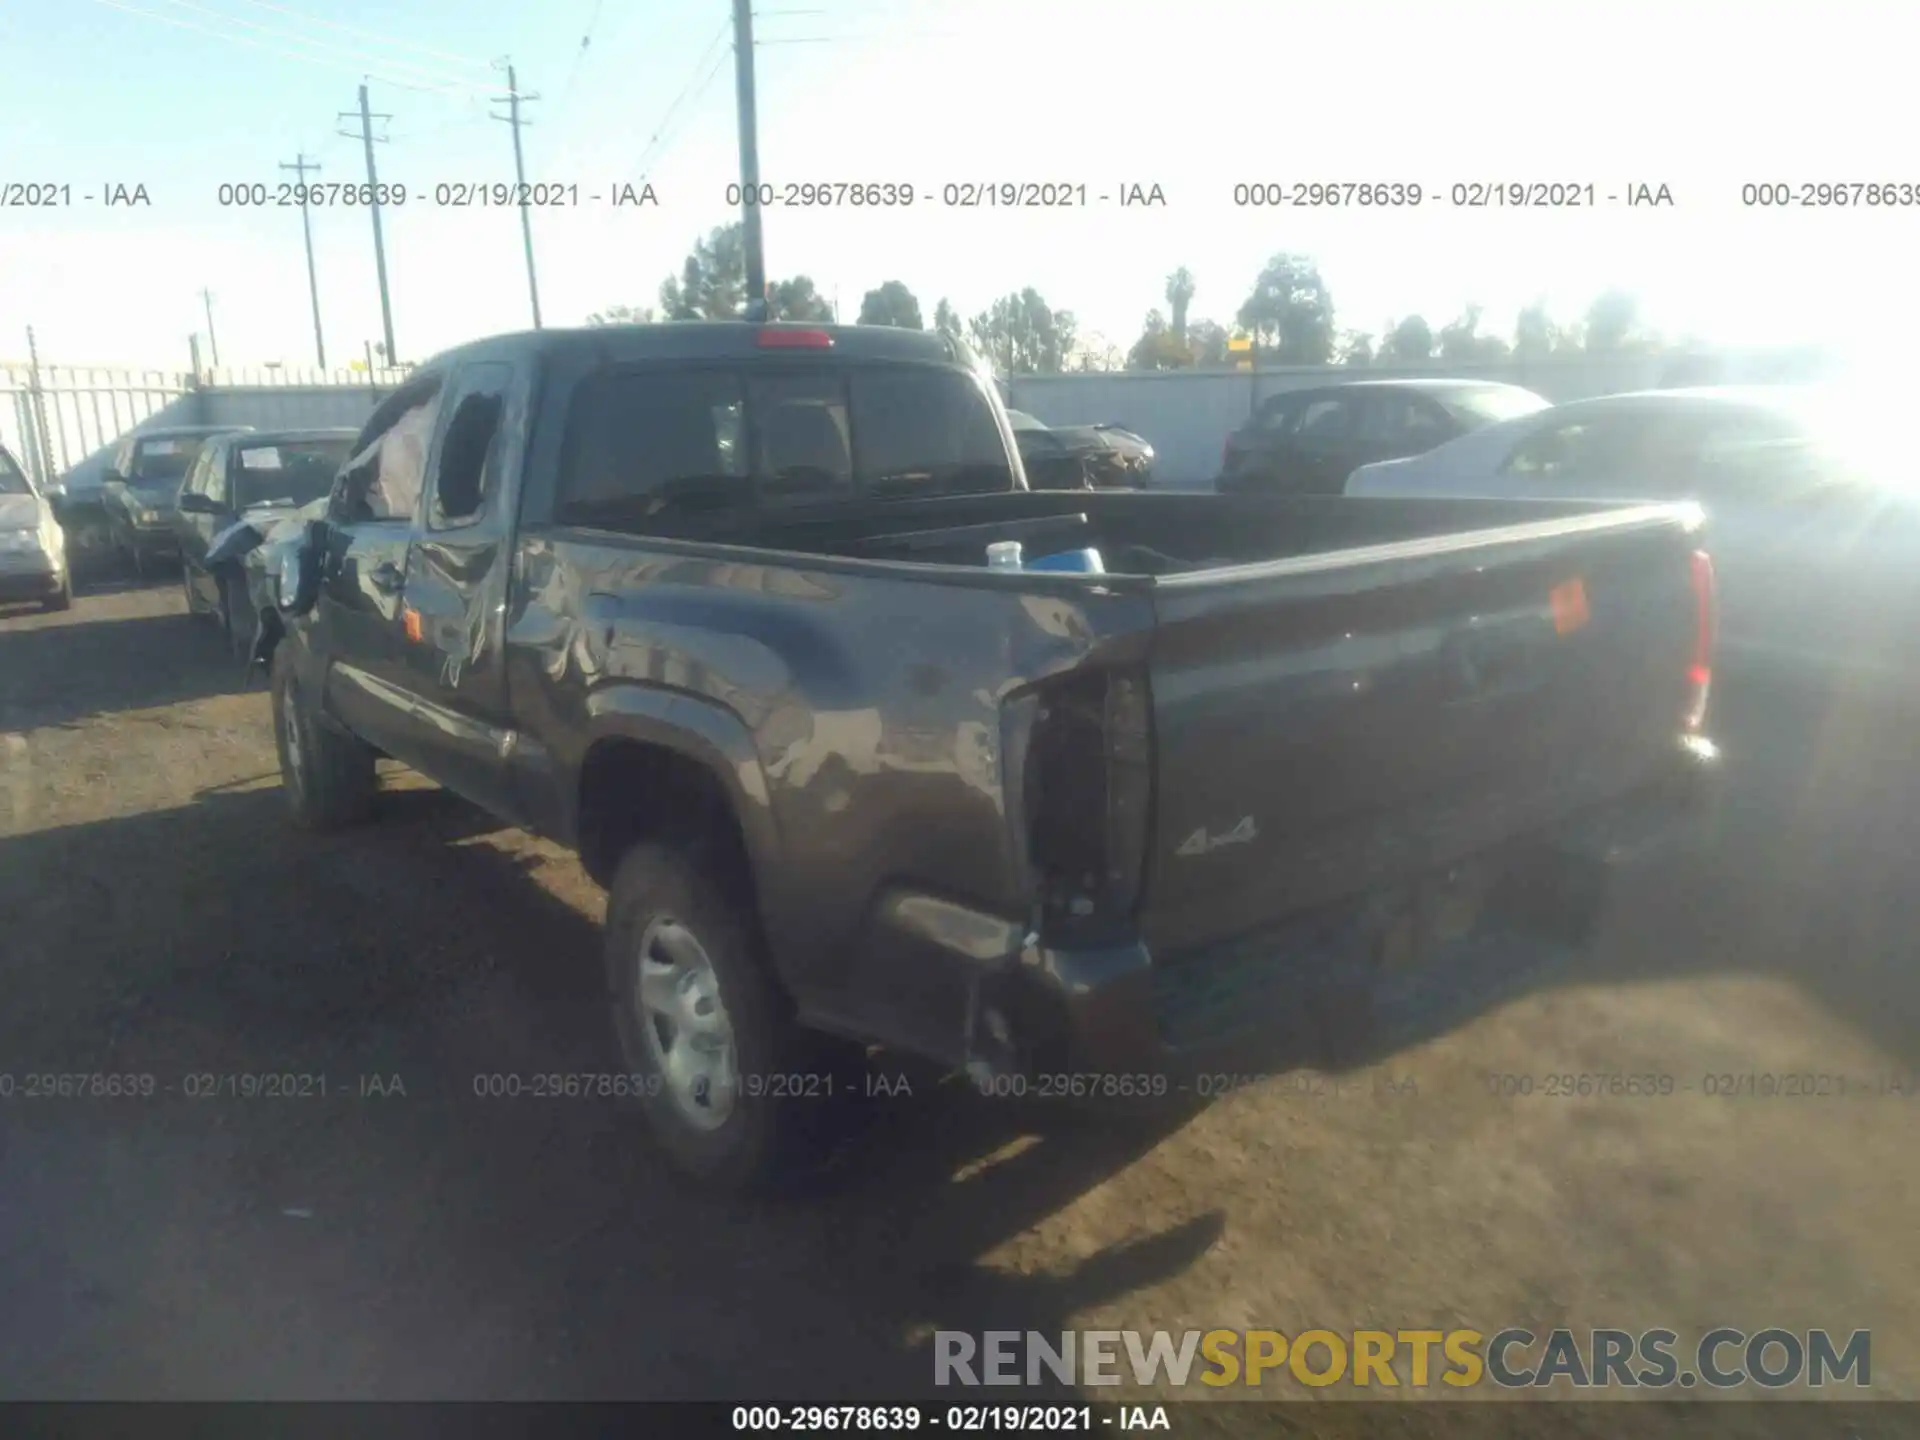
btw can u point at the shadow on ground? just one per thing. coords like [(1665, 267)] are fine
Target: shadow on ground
[(496, 1246), (79, 663), (428, 1239)]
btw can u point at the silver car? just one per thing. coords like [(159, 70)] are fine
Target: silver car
[(1813, 528), (33, 547)]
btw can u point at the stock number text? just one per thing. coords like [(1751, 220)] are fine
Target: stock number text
[(1836, 194)]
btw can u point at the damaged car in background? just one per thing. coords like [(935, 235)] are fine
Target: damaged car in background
[(243, 488), (140, 487), (1080, 457)]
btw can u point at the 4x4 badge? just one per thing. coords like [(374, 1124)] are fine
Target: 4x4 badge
[(1201, 843)]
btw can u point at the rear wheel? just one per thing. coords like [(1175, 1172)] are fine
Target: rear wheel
[(734, 1090), (328, 776)]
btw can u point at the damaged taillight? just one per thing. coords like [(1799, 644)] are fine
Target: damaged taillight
[(1086, 792), (1705, 624)]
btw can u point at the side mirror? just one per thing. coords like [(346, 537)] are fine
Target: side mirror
[(296, 571), (192, 502)]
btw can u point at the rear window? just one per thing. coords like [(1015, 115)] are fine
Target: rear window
[(287, 472), (166, 459), (1475, 408), (12, 482), (644, 442)]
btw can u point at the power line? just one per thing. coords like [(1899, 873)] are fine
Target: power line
[(180, 24), (580, 55), (665, 139), (404, 65), (563, 109), (369, 34), (860, 39), (692, 88)]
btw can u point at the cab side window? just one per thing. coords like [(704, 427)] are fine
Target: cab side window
[(196, 481), (212, 470), (383, 479), (467, 473)]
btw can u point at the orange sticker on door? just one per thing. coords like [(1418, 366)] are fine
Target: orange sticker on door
[(1569, 602), (411, 619)]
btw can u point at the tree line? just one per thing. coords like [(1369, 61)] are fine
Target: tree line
[(1287, 318)]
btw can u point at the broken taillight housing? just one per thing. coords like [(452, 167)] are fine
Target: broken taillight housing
[(1706, 619), (1086, 795)]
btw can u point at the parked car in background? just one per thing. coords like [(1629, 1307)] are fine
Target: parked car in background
[(255, 478), (33, 547), (1813, 524), (142, 484), (1306, 442), (1080, 457)]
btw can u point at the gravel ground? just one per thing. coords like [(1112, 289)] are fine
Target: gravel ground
[(158, 917)]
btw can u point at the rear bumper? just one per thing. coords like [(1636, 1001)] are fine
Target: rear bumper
[(1121, 1010), (30, 575), (151, 540)]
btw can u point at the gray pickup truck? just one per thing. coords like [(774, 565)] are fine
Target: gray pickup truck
[(709, 603)]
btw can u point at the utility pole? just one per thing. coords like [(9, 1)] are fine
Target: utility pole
[(749, 160), (366, 137), (513, 99), (300, 167), (206, 298)]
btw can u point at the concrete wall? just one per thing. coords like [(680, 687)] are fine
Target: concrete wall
[(266, 407), (1188, 414), (289, 407)]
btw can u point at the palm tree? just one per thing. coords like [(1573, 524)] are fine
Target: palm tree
[(1179, 297)]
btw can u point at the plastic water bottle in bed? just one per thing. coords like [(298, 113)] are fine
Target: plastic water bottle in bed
[(1084, 561), (1004, 555)]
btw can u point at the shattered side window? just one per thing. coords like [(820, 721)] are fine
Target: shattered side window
[(394, 493)]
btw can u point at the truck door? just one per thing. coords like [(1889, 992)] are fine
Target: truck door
[(453, 602), (370, 523)]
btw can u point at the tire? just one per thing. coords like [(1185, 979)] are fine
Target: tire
[(61, 599), (678, 902), (328, 776), (186, 590), (239, 623)]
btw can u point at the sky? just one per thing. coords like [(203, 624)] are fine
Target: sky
[(182, 96)]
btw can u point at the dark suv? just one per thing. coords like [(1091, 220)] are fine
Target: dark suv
[(143, 484), (1306, 442)]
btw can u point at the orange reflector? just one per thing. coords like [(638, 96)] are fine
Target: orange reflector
[(1569, 602), (411, 618)]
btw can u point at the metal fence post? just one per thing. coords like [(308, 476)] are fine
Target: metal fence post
[(41, 451)]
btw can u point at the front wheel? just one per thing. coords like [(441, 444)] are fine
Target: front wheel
[(239, 620), (734, 1090), (328, 776), (61, 599)]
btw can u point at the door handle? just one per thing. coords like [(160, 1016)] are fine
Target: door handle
[(386, 577)]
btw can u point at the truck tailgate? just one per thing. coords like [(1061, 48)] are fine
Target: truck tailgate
[(1339, 721)]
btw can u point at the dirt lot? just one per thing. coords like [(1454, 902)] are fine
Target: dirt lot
[(158, 917)]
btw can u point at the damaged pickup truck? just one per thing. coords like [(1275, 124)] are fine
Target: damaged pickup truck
[(714, 605)]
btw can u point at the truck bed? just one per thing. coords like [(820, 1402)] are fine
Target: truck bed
[(1333, 698), (1138, 533)]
